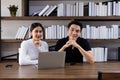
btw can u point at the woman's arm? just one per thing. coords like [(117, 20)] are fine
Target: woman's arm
[(24, 59)]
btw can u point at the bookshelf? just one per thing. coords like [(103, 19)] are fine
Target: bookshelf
[(0, 33), (84, 19), (55, 40)]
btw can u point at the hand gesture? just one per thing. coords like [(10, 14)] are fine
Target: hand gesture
[(37, 43)]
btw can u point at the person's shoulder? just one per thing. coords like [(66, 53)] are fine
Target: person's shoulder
[(81, 39), (26, 41), (63, 39)]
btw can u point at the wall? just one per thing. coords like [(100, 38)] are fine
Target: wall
[(6, 3)]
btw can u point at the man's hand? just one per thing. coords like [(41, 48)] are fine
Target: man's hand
[(73, 43)]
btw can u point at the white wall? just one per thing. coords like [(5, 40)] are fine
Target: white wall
[(6, 3)]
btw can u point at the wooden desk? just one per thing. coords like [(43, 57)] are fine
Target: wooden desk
[(108, 75), (75, 72)]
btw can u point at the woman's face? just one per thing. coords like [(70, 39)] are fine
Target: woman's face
[(37, 33), (74, 32)]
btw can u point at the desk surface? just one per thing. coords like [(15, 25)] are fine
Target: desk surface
[(81, 71)]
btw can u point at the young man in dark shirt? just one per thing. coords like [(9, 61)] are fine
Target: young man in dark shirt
[(76, 47)]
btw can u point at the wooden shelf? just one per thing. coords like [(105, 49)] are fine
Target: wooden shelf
[(10, 41), (81, 18), (55, 40), (19, 41), (104, 40)]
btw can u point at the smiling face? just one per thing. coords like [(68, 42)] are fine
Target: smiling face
[(74, 32), (37, 33)]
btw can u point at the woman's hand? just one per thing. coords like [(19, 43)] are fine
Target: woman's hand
[(37, 43)]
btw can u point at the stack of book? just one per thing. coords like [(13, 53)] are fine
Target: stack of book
[(108, 8), (100, 54), (46, 11), (55, 32), (101, 32), (21, 33), (76, 9)]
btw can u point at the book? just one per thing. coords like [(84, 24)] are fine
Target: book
[(44, 10), (61, 10), (18, 32), (51, 10), (36, 13), (25, 32), (47, 10), (21, 33)]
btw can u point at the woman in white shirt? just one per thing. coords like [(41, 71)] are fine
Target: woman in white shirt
[(29, 49)]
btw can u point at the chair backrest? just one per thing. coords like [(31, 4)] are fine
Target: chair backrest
[(109, 75), (18, 54), (52, 48)]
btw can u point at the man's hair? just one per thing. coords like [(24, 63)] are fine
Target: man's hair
[(76, 22)]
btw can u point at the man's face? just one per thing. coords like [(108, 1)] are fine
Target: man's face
[(74, 31)]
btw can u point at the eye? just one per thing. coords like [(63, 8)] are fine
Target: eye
[(40, 31), (77, 31), (36, 31), (72, 29)]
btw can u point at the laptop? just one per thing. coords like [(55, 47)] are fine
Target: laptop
[(53, 59)]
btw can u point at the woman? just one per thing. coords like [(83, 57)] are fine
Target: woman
[(29, 49), (76, 47)]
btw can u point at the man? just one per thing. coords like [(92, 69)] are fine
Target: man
[(76, 47)]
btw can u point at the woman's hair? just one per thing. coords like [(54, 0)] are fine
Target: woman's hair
[(34, 25), (76, 22)]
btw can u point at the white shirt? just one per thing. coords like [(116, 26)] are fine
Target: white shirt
[(28, 52)]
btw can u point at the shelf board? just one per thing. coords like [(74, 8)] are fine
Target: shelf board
[(55, 40), (10, 41), (81, 18), (104, 40), (19, 41)]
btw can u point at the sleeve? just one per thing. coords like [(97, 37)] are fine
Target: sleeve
[(59, 45), (24, 58), (44, 47), (86, 45)]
